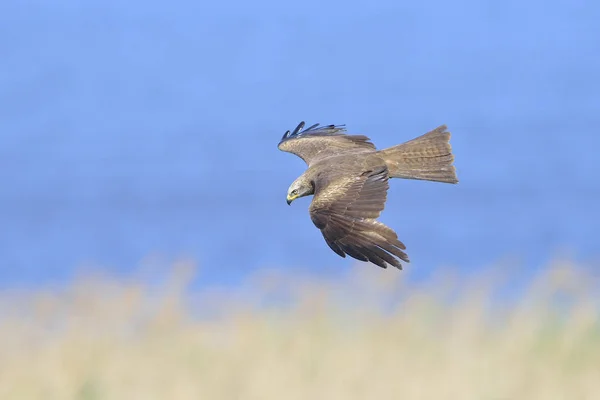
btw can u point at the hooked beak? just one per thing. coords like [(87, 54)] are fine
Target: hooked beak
[(290, 199)]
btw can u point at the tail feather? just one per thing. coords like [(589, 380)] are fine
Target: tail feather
[(428, 157)]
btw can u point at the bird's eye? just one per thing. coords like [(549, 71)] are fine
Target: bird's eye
[(294, 191)]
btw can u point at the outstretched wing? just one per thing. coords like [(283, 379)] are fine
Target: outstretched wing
[(346, 210), (316, 143)]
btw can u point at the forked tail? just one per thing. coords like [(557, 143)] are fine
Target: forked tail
[(428, 157)]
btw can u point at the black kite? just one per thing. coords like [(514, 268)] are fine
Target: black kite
[(349, 180)]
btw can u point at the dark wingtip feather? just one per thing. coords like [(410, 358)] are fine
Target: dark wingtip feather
[(313, 129), (298, 128), (287, 133)]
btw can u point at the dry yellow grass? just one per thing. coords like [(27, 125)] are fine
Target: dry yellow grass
[(369, 335)]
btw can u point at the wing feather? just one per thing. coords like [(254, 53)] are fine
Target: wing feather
[(317, 143), (346, 213)]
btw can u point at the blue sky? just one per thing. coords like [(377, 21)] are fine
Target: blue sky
[(137, 128)]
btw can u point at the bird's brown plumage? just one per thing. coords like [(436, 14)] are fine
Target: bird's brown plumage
[(349, 180), (314, 143)]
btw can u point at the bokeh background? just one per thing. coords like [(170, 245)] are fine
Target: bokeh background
[(136, 134)]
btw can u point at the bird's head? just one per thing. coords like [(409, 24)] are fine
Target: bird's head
[(300, 188)]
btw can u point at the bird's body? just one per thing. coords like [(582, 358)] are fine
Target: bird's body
[(349, 180)]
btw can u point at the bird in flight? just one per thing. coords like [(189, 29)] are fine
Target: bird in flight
[(348, 179)]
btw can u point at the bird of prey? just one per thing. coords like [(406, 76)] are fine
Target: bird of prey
[(349, 180)]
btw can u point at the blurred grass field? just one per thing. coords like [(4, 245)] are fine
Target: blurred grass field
[(369, 334)]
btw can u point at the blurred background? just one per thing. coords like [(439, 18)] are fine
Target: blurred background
[(134, 135)]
